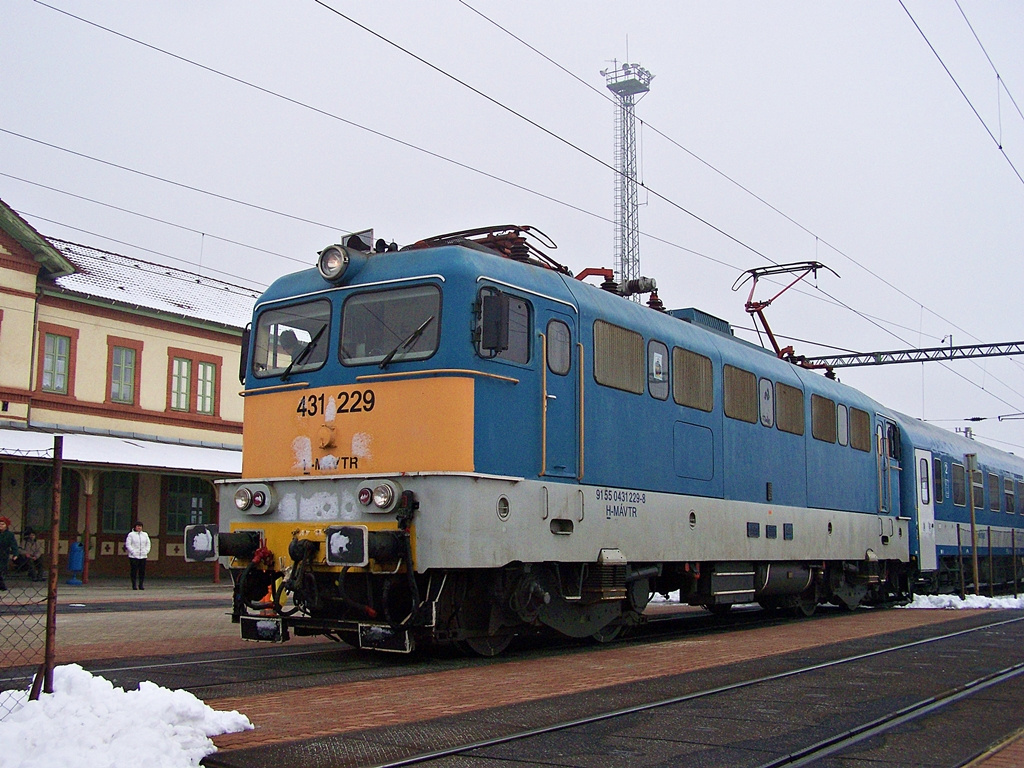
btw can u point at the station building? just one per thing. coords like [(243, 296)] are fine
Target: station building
[(136, 365)]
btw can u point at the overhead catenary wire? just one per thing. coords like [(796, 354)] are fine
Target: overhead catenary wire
[(974, 109), (421, 149), (818, 239)]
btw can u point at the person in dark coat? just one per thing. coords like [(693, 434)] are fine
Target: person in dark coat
[(8, 549)]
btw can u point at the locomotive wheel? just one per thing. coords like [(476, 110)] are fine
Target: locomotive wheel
[(488, 645)]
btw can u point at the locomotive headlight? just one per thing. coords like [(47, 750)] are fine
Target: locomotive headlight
[(365, 496), (259, 499), (243, 499), (333, 262), (383, 496)]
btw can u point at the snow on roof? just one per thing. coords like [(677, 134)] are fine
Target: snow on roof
[(122, 452), (128, 281)]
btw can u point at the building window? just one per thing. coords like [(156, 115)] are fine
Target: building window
[(740, 394), (117, 501), (122, 375), (39, 498), (181, 383), (692, 380), (56, 363), (189, 502), (790, 409), (192, 382), (823, 419), (618, 357), (206, 385)]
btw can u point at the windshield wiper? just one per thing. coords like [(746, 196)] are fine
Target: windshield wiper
[(304, 352), (405, 343)]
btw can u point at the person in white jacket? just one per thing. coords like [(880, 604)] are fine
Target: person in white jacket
[(137, 545)]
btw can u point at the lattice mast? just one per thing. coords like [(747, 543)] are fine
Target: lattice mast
[(627, 82)]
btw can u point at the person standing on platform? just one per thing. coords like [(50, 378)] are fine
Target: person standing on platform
[(137, 545), (8, 549)]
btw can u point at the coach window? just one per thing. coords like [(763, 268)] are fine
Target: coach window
[(1020, 497), (860, 430), (842, 425), (657, 370), (959, 485), (766, 402), (978, 487), (1008, 493), (922, 472), (739, 394), (995, 496), (384, 327), (823, 419), (789, 405), (284, 339), (937, 480), (692, 380), (559, 344), (618, 357)]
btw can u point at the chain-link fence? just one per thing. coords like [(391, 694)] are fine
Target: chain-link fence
[(22, 637)]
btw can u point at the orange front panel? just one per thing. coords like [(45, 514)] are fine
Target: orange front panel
[(414, 425)]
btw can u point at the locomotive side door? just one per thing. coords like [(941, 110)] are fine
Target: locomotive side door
[(925, 510), (559, 394)]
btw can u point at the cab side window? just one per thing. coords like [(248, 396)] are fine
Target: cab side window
[(503, 326)]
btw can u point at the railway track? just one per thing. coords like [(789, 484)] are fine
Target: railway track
[(798, 747)]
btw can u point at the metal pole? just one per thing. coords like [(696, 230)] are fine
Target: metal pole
[(972, 460), (1013, 546), (991, 574), (45, 676), (960, 560)]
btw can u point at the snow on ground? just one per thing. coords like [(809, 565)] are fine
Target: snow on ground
[(970, 601), (919, 601), (88, 723)]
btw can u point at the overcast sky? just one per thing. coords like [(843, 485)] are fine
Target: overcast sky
[(255, 127)]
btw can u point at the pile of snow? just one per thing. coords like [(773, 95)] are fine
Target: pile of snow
[(970, 601), (88, 723)]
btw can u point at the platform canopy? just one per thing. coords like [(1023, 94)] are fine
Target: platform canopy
[(121, 452)]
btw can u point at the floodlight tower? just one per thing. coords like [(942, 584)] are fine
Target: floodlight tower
[(626, 82)]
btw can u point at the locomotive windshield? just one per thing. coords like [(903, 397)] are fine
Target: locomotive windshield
[(292, 339), (390, 326)]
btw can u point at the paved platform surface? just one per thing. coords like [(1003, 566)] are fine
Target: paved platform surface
[(106, 619)]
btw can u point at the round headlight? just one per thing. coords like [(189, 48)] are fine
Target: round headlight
[(259, 499), (243, 499), (365, 496), (383, 495), (333, 262)]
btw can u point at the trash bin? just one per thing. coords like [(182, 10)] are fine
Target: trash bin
[(76, 562)]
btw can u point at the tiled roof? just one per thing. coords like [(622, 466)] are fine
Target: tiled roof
[(140, 284)]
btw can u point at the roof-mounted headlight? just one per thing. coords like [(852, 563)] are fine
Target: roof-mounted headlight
[(339, 262), (334, 260)]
